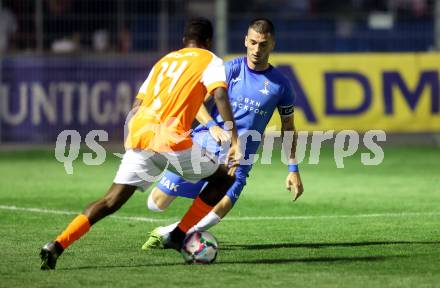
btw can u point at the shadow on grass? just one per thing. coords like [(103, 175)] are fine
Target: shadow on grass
[(322, 245), (373, 258), (376, 258), (315, 260)]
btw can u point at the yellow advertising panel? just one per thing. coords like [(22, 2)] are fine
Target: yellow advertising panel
[(391, 92)]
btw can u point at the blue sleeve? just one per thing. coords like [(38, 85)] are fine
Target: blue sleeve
[(228, 67), (287, 100), (232, 68)]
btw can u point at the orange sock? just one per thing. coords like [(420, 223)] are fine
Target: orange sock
[(196, 212), (77, 228)]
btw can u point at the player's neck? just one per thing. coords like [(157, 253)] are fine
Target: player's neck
[(194, 44), (257, 67)]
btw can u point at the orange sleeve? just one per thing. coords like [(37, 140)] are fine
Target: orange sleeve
[(216, 85)]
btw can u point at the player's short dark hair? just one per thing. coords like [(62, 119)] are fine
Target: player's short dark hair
[(199, 30), (262, 26)]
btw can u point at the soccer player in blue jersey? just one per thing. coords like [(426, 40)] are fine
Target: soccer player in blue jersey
[(255, 90)]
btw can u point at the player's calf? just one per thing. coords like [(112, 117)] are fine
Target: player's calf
[(116, 196), (218, 185)]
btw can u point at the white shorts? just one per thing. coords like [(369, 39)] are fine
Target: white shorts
[(141, 168)]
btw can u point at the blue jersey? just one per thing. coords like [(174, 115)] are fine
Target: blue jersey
[(254, 95)]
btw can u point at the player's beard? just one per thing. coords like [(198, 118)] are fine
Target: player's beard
[(262, 60)]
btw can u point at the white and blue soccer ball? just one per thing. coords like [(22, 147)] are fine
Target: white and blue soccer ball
[(200, 248)]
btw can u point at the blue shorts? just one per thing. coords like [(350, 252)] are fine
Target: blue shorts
[(175, 185)]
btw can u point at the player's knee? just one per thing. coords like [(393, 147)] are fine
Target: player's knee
[(112, 201), (155, 202), (221, 178), (151, 204), (214, 192), (223, 184)]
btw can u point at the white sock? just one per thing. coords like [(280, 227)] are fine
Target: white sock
[(207, 222), (167, 229)]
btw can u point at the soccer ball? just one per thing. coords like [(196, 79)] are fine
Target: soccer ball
[(200, 248)]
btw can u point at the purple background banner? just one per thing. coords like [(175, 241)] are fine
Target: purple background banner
[(40, 97)]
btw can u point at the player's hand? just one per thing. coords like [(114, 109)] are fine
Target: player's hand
[(219, 134), (231, 170), (293, 180)]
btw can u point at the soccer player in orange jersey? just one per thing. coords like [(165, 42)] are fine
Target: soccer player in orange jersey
[(158, 137)]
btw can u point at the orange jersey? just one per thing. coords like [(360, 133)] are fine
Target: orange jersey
[(171, 97)]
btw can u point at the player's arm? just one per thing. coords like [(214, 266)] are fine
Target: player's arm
[(214, 79), (206, 120), (293, 179), (224, 108), (135, 107), (142, 92)]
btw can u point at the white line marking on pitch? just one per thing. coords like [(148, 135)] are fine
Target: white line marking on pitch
[(244, 218), (63, 212)]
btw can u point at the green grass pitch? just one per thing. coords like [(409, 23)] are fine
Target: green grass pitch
[(361, 226)]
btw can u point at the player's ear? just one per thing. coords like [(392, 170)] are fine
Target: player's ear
[(272, 42), (273, 45), (245, 41)]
